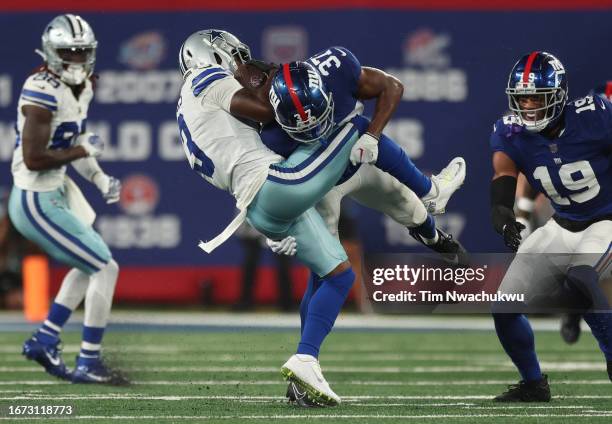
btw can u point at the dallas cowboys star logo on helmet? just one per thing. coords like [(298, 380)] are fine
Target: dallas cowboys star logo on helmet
[(214, 34)]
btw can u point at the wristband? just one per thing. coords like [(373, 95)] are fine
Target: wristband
[(525, 204)]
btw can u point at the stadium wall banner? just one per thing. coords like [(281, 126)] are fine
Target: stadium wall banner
[(453, 63)]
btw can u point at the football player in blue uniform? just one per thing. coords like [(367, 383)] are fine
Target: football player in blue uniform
[(47, 207), (563, 149), (570, 322), (349, 84), (311, 119)]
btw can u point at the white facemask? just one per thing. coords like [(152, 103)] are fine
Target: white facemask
[(74, 74)]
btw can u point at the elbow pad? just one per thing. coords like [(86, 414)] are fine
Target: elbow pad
[(503, 191)]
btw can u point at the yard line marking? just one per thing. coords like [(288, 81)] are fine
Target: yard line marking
[(460, 382), (113, 396), (21, 391), (535, 407), (281, 382), (550, 366), (411, 404), (305, 416), (30, 383), (144, 348)]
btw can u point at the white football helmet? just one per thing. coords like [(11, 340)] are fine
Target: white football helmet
[(213, 47), (66, 38)]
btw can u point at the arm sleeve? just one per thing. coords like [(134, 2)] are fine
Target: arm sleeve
[(87, 167), (503, 190)]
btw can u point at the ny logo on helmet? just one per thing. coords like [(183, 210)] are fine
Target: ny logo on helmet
[(274, 100), (557, 65), (314, 81)]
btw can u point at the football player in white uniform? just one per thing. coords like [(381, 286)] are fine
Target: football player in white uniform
[(49, 209)]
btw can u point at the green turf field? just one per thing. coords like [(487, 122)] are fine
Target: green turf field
[(389, 377)]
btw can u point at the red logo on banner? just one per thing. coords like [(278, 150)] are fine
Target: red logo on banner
[(139, 194), (425, 48), (285, 44)]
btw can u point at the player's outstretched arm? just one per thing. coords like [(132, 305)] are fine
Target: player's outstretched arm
[(36, 134), (503, 189), (386, 89)]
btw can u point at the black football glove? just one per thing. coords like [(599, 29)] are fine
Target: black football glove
[(512, 234)]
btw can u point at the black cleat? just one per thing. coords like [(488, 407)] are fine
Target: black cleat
[(299, 397), (610, 370), (570, 328), (451, 250), (527, 391)]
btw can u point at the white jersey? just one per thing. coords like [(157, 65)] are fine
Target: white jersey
[(45, 90), (227, 152)]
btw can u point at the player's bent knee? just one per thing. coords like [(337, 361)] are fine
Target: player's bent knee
[(584, 280), (339, 269), (113, 265)]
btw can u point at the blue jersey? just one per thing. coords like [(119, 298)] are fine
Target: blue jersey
[(340, 71), (573, 170)]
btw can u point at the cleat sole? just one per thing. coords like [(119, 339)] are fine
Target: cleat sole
[(313, 394)]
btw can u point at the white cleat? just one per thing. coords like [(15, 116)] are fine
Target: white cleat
[(444, 185), (305, 372)]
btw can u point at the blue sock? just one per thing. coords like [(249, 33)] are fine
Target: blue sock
[(323, 310), (49, 332), (601, 327), (427, 229), (393, 160), (90, 346), (585, 279), (313, 284), (516, 336)]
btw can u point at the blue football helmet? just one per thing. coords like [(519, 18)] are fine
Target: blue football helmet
[(538, 74), (303, 106)]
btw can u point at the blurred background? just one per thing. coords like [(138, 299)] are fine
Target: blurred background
[(452, 56)]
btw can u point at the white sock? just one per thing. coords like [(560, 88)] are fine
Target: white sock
[(99, 297), (432, 241), (433, 191), (73, 289)]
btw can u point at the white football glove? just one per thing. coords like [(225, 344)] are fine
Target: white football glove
[(287, 246), (110, 187), (365, 150), (92, 143)]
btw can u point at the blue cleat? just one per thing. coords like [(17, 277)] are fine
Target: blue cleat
[(94, 370), (47, 355)]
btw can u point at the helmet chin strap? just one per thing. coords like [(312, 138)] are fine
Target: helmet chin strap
[(41, 54)]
